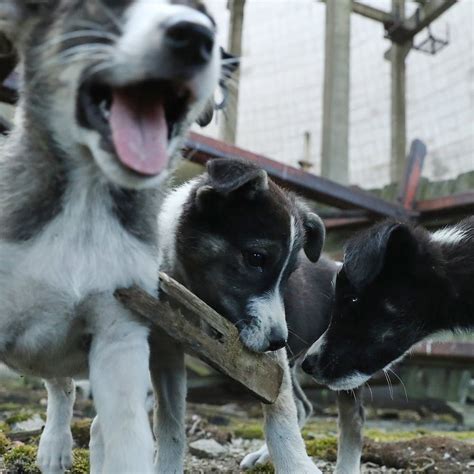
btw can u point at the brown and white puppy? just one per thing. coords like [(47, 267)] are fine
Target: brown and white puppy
[(108, 89)]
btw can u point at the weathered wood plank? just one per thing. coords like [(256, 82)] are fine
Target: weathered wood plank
[(206, 334)]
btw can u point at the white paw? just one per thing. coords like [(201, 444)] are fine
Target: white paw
[(262, 456), (55, 452)]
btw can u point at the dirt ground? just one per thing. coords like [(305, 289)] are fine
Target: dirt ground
[(396, 446)]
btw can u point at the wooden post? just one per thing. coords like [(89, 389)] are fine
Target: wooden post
[(335, 139), (228, 130), (398, 100)]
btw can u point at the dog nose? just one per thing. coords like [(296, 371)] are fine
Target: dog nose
[(191, 42), (276, 344)]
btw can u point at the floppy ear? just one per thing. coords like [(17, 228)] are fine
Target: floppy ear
[(14, 13), (384, 245), (315, 235), (229, 175), (314, 230), (205, 118), (11, 14), (230, 64)]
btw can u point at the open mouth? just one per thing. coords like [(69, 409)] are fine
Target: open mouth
[(137, 122)]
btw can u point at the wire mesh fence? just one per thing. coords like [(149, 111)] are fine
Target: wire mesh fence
[(281, 89)]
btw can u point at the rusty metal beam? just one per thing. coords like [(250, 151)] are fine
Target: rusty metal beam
[(445, 350), (336, 223), (462, 202), (200, 149), (413, 169)]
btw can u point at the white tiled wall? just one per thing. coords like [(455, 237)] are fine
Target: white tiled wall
[(282, 81)]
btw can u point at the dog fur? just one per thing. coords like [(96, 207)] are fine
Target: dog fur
[(398, 285), (76, 224), (235, 238)]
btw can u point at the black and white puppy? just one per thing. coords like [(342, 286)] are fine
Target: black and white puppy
[(238, 241), (398, 285), (108, 89)]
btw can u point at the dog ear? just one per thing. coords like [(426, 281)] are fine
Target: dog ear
[(11, 14), (14, 13), (383, 246), (315, 235), (230, 64), (229, 175), (315, 232), (205, 118)]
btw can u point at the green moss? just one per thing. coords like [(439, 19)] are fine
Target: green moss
[(323, 448), (4, 444), (393, 436), (320, 428), (4, 428), (22, 459), (459, 435), (81, 432), (250, 430), (382, 436), (263, 469), (9, 406), (81, 463), (22, 415)]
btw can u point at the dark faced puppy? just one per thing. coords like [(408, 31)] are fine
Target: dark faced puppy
[(398, 285), (236, 243)]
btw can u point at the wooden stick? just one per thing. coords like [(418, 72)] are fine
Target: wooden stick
[(206, 334)]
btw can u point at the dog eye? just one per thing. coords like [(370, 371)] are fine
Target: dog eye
[(351, 299), (255, 259)]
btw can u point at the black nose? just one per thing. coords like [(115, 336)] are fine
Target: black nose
[(276, 344), (192, 42)]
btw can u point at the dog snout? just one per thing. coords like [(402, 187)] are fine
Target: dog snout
[(309, 364), (277, 340), (277, 344), (190, 42)]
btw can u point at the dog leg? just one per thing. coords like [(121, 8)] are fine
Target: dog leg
[(351, 422), (168, 376), (282, 432), (55, 447), (304, 410), (119, 375), (96, 447)]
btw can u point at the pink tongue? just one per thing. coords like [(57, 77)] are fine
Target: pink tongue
[(139, 133)]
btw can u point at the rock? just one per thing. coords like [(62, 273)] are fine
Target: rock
[(207, 448), (34, 423)]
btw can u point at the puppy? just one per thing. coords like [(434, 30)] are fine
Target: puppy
[(108, 90), (398, 285), (238, 241)]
